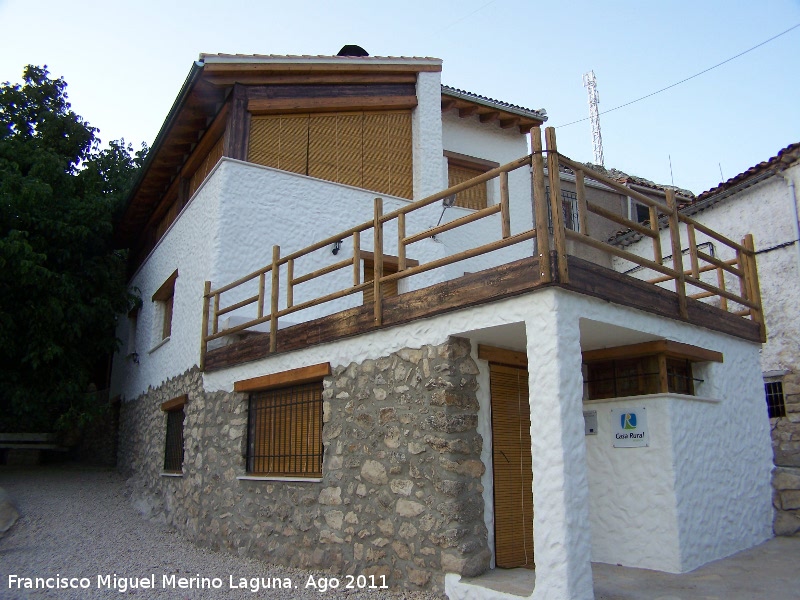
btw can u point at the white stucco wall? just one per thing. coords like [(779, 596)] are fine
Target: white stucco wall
[(426, 130), (470, 137), (190, 246)]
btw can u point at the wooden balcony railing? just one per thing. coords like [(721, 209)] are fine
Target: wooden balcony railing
[(551, 237)]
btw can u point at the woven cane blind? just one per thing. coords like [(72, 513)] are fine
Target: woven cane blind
[(389, 289), (511, 456), (285, 431), (371, 150), (474, 197)]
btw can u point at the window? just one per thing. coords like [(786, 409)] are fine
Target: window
[(638, 212), (133, 326), (284, 431), (461, 168), (371, 150), (569, 204), (164, 298), (649, 368), (773, 390), (173, 449)]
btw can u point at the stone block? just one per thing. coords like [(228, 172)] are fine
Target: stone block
[(790, 499), (409, 508), (787, 523)]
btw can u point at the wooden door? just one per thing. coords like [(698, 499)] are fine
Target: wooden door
[(511, 457)]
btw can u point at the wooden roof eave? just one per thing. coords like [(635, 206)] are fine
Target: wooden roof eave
[(504, 119)]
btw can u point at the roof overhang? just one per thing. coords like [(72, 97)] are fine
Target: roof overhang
[(489, 110)]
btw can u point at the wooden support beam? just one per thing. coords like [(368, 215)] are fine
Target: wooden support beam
[(489, 117), (377, 263), (539, 199), (753, 285), (677, 253), (273, 321), (508, 123), (502, 356), (175, 403), (556, 209), (204, 325)]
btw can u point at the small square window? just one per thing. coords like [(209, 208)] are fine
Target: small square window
[(173, 448), (461, 168), (773, 391), (164, 297)]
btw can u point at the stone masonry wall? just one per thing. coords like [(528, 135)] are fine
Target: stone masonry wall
[(400, 494), (786, 453)]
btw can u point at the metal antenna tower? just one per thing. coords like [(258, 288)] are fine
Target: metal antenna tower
[(590, 83)]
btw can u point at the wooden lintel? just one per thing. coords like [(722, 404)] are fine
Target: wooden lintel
[(315, 79), (388, 259), (289, 105), (503, 356), (284, 378), (488, 117), (666, 347), (165, 291), (175, 403)]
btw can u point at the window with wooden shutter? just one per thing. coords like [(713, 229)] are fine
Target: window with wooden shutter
[(461, 168), (371, 150), (285, 431)]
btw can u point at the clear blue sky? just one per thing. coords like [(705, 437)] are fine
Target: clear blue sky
[(124, 63)]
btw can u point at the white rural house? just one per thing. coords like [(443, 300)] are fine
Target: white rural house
[(329, 368), (763, 200)]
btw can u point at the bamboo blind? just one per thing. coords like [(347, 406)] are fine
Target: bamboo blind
[(511, 456), (285, 431), (475, 197), (372, 150), (209, 162)]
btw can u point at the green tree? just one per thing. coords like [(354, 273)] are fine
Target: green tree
[(61, 283)]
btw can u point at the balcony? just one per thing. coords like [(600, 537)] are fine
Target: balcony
[(281, 306)]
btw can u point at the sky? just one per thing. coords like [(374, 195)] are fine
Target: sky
[(124, 63)]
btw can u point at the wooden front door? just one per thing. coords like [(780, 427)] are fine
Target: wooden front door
[(511, 457)]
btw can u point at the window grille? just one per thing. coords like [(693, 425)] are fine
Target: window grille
[(773, 391), (173, 452), (569, 206), (284, 434)]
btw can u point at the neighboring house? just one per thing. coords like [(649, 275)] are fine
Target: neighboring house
[(763, 201), (331, 369)]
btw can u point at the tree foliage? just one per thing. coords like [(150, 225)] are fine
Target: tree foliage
[(61, 284)]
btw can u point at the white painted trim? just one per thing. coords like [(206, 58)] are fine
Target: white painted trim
[(171, 474), (665, 396), (158, 345), (287, 479)]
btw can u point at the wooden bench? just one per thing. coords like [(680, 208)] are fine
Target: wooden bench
[(26, 448)]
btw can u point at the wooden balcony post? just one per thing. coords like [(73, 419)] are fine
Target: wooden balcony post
[(583, 209), (204, 326), (723, 301), (677, 254), (693, 250), (290, 283), (215, 324), (378, 262), (539, 201), (753, 286), (657, 256), (273, 315), (356, 258), (401, 244), (261, 287), (505, 216), (556, 208)]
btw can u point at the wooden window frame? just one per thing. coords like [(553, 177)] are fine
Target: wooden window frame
[(658, 367), (175, 418), (165, 297), (273, 401)]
